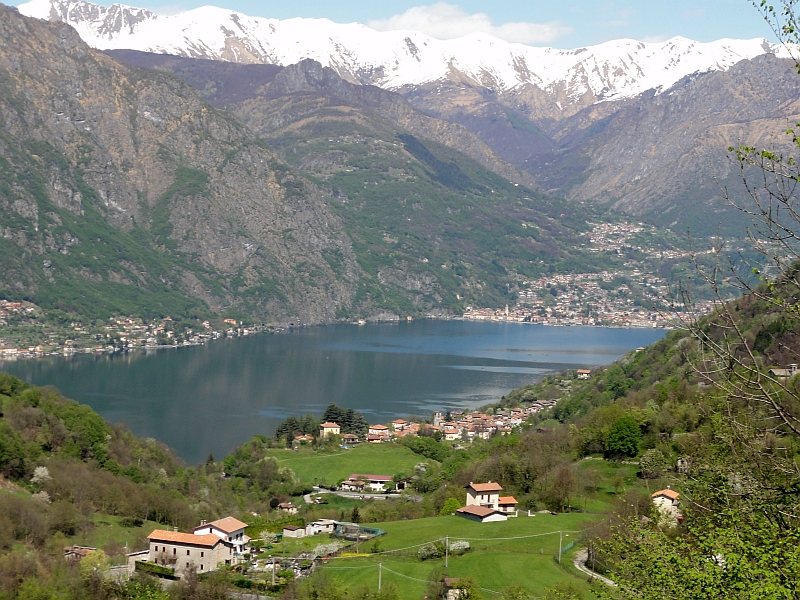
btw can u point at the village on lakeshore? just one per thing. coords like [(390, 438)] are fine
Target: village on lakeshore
[(116, 335), (452, 426)]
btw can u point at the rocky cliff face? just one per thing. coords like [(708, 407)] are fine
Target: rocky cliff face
[(625, 124), (309, 200), (120, 184)]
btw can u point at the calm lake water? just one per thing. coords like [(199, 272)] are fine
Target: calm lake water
[(212, 398)]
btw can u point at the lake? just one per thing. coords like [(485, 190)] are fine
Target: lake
[(212, 398)]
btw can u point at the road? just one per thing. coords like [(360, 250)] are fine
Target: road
[(354, 495), (580, 564)]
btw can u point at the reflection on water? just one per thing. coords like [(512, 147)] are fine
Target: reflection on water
[(212, 398)]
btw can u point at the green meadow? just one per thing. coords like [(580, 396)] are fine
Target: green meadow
[(330, 468), (521, 550)]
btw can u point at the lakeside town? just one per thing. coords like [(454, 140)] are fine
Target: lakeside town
[(631, 296), (117, 335), (628, 296)]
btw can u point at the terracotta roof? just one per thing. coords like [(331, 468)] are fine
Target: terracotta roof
[(486, 487), (209, 540), (478, 511), (357, 476), (328, 425), (668, 493), (507, 500), (226, 525), (398, 421), (584, 371), (378, 427)]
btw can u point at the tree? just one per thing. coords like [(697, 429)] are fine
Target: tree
[(450, 506), (355, 515), (333, 414), (652, 464), (623, 438), (563, 486), (742, 511)]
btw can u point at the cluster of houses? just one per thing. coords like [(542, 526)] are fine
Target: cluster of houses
[(462, 426)]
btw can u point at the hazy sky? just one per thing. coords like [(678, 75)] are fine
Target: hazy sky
[(538, 22)]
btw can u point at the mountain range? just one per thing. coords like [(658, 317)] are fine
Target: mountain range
[(640, 127), (271, 193)]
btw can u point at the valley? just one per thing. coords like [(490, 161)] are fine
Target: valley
[(325, 311)]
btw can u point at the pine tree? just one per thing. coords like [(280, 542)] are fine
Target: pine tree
[(333, 414)]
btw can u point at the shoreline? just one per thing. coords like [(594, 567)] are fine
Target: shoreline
[(21, 355)]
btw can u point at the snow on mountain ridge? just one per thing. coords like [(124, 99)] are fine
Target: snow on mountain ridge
[(396, 59)]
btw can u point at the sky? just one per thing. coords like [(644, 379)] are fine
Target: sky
[(562, 24)]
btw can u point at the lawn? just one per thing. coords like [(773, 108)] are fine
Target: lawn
[(322, 467), (520, 550), (107, 533)]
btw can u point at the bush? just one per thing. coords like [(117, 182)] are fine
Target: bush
[(429, 551), (451, 505)]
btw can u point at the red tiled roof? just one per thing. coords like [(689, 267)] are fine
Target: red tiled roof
[(668, 493), (486, 487), (209, 540), (378, 427), (226, 525), (328, 425), (505, 500), (478, 511)]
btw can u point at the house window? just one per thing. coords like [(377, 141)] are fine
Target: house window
[(202, 554), (155, 549), (187, 565), (174, 550), (187, 553), (201, 567)]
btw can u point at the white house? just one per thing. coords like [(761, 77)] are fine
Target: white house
[(288, 507), (481, 514), (484, 494), (227, 529), (667, 502), (320, 526), (381, 430), (376, 483), (584, 373), (507, 504), (328, 428), (451, 434), (292, 531)]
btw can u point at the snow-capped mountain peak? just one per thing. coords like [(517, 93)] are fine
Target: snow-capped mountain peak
[(399, 59)]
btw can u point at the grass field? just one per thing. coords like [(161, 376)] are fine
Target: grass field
[(107, 533), (518, 551), (329, 468)]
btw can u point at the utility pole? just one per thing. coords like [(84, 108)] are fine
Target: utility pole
[(446, 550), (380, 572), (273, 572), (559, 546)]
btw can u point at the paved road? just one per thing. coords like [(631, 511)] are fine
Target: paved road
[(580, 564), (356, 495)]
